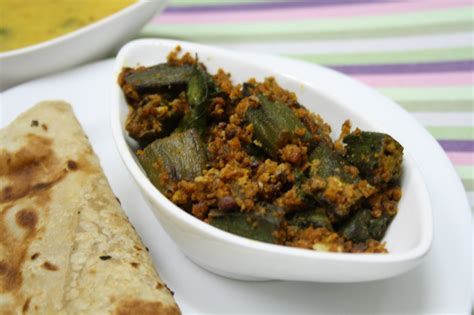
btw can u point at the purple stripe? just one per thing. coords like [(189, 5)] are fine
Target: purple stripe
[(266, 5), (457, 145), (444, 66)]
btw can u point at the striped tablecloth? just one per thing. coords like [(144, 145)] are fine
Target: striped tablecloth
[(418, 53)]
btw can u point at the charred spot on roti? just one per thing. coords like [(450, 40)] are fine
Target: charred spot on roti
[(143, 307), (34, 123), (40, 186), (26, 305), (72, 165), (14, 253), (45, 127), (10, 277), (26, 218), (3, 268), (159, 285), (49, 266), (46, 185), (7, 192), (138, 248), (105, 257), (36, 150), (34, 256), (118, 200), (134, 264), (31, 169)]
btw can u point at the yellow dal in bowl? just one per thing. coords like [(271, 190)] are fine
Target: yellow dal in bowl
[(28, 22)]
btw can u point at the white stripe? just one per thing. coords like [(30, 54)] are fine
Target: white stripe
[(445, 118), (450, 40)]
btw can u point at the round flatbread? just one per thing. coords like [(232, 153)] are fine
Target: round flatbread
[(66, 246)]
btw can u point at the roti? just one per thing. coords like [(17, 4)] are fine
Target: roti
[(66, 246)]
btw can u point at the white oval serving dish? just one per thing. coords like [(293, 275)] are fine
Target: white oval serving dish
[(91, 42), (408, 238)]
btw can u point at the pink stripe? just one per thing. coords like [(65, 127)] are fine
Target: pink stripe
[(461, 158), (306, 13), (425, 79)]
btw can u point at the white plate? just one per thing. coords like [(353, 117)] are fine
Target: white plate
[(440, 284)]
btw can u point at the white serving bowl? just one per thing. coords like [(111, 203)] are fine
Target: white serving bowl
[(408, 237), (91, 42)]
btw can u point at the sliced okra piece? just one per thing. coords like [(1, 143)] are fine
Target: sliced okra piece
[(160, 76), (315, 218), (274, 124), (341, 187), (377, 156), (154, 120), (179, 156), (362, 226), (261, 226), (378, 226), (356, 228), (196, 94), (331, 163)]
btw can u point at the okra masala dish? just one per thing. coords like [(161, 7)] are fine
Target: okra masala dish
[(251, 160)]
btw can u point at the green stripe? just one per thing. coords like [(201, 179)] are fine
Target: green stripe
[(437, 106), (458, 93), (162, 30), (465, 172), (468, 184), (426, 55), (452, 132), (403, 23)]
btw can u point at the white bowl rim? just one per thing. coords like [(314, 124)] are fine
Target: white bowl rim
[(419, 251), (82, 30)]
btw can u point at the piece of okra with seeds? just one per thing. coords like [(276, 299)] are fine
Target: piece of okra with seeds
[(274, 125), (158, 77), (179, 156), (261, 225), (196, 94), (333, 182), (315, 218), (377, 156), (156, 119), (362, 226)]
